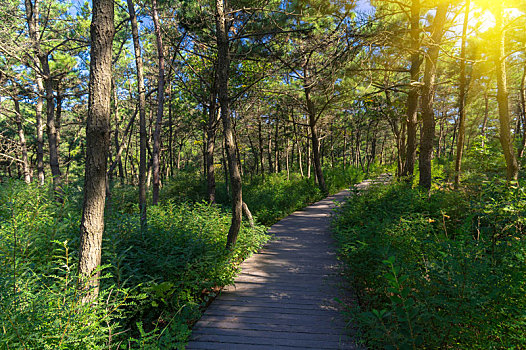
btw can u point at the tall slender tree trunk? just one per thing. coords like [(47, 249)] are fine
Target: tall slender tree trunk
[(116, 135), (485, 121), (512, 166), (26, 168), (309, 158), (97, 146), (462, 97), (522, 115), (210, 145), (223, 66), (287, 159), (170, 133), (51, 127), (58, 119), (277, 166), (427, 136), (261, 150), (142, 114), (40, 133), (160, 105), (412, 97), (32, 15), (269, 154), (315, 142)]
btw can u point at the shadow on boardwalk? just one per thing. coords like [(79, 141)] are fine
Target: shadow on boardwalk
[(284, 296)]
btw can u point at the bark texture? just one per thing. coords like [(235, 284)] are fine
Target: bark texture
[(462, 97), (427, 135), (156, 153), (412, 97), (26, 168), (32, 14), (223, 65), (315, 142), (210, 146), (512, 166), (142, 113), (97, 145)]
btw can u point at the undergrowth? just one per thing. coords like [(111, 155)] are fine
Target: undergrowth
[(273, 197), (446, 270), (154, 286), (155, 283)]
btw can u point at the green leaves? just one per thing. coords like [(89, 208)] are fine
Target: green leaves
[(418, 287), (153, 285)]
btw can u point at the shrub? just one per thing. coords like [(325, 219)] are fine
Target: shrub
[(155, 282), (438, 271)]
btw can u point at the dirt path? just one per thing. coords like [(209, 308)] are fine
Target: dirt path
[(284, 296)]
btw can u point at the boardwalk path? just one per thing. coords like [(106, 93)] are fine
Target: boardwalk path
[(284, 296)]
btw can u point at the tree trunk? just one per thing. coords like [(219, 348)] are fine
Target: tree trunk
[(118, 147), (32, 15), (160, 105), (26, 168), (277, 166), (462, 97), (97, 146), (58, 118), (287, 159), (315, 143), (512, 167), (309, 158), (427, 136), (412, 97), (522, 114), (261, 151), (223, 66), (269, 154), (210, 146), (248, 214), (142, 114), (170, 133), (51, 128)]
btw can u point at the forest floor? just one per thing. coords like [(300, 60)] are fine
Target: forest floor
[(285, 296)]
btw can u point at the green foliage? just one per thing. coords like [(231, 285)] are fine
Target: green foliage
[(273, 197), (154, 286), (440, 271)]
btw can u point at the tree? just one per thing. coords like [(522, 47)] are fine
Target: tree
[(427, 135), (499, 59), (462, 96), (97, 146), (142, 113), (223, 67), (413, 94), (32, 14), (160, 106)]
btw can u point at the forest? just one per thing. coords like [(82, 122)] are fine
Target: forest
[(147, 146)]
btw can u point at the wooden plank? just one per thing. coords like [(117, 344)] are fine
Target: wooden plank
[(334, 343), (265, 303), (201, 345), (269, 310), (275, 334), (314, 322), (269, 327)]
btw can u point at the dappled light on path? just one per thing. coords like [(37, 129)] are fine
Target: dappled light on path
[(284, 297)]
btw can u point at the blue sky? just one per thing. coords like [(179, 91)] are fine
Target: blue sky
[(364, 6)]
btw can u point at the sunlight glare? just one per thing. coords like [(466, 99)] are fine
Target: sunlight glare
[(484, 20)]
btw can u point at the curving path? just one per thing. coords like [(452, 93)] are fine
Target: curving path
[(284, 296)]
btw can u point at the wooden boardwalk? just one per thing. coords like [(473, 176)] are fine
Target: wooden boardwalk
[(284, 296)]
